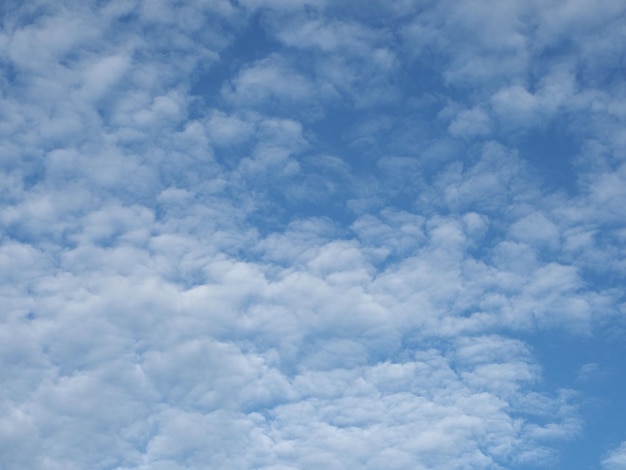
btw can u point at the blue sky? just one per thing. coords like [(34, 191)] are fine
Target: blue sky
[(283, 234)]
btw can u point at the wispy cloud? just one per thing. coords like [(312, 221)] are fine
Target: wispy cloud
[(616, 458)]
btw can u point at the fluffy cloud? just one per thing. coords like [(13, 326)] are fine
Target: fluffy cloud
[(331, 253)]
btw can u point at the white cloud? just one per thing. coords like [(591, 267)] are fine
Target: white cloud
[(470, 123), (516, 104), (227, 130), (349, 59), (42, 44), (536, 229), (171, 300), (616, 460), (104, 74), (308, 357), (270, 81)]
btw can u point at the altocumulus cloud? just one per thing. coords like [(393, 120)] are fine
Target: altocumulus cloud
[(311, 234)]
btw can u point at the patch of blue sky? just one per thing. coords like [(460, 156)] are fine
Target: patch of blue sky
[(590, 368)]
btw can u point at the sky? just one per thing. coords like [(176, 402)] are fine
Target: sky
[(299, 234)]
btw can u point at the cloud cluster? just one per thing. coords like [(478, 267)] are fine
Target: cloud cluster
[(333, 254)]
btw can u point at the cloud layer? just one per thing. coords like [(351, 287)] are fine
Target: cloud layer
[(289, 235)]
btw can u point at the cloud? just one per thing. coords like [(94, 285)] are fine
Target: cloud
[(616, 458), (104, 74), (269, 80), (350, 60), (184, 347), (225, 130), (332, 252), (536, 229), (470, 123)]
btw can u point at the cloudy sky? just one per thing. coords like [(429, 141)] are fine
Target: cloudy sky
[(299, 234)]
